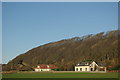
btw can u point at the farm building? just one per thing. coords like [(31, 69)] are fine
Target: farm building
[(90, 66), (44, 67)]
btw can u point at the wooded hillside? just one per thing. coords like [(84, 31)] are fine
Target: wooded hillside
[(102, 47)]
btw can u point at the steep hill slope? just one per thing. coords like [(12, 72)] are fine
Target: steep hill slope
[(102, 47)]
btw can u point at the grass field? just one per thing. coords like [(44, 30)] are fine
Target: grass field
[(60, 75)]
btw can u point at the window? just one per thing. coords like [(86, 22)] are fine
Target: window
[(85, 69), (91, 69), (91, 64), (76, 69), (80, 69), (38, 66)]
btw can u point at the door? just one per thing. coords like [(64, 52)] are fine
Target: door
[(91, 69)]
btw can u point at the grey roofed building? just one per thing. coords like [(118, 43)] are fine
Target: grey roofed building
[(90, 66)]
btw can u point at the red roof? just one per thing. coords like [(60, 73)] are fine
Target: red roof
[(44, 66)]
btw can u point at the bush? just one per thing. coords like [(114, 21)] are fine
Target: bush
[(116, 68)]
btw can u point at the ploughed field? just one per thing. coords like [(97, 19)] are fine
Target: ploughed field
[(60, 75)]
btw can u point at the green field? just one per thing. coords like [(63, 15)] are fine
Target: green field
[(60, 75)]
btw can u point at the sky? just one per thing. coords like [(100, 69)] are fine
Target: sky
[(27, 25), (0, 33)]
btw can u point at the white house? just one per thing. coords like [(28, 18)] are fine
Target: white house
[(44, 67), (89, 66)]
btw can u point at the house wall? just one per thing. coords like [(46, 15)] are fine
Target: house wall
[(45, 69), (82, 68), (42, 69), (36, 69)]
